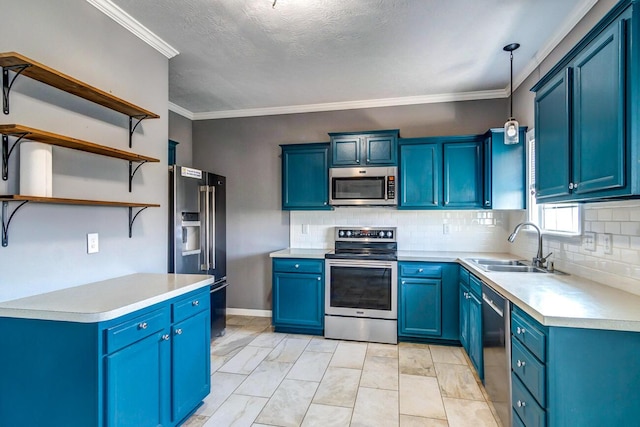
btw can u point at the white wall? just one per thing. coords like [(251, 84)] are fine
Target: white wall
[(47, 243)]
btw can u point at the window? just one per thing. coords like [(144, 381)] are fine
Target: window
[(564, 218)]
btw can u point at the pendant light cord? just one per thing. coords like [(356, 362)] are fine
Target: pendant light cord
[(511, 86)]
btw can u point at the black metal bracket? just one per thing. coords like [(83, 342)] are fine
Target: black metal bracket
[(6, 153), (132, 127), (132, 172), (6, 84), (6, 221), (133, 217)]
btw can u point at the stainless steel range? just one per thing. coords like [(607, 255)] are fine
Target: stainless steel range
[(361, 288)]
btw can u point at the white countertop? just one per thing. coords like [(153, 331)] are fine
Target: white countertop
[(551, 299), (299, 253), (104, 300)]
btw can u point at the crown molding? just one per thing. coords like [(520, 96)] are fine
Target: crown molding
[(114, 12), (180, 110), (352, 105)]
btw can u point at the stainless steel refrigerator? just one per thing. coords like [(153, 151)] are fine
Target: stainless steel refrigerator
[(197, 233)]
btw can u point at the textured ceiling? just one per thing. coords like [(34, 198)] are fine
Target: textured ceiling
[(243, 54)]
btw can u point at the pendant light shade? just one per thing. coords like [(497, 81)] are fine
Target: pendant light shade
[(511, 127)]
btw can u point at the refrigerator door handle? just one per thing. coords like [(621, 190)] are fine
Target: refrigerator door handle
[(211, 232), (204, 189)]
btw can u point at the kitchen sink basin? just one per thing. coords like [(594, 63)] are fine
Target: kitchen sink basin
[(506, 265), (485, 262)]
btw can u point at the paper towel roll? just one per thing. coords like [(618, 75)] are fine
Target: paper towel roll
[(35, 169)]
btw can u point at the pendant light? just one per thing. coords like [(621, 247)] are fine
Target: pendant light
[(511, 130)]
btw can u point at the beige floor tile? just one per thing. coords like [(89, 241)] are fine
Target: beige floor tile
[(420, 396), (267, 339), (380, 372), (465, 413), (416, 361), (411, 421), (375, 408), (310, 366), (349, 355), (265, 379), (222, 386), (195, 421), (239, 320), (382, 350), (288, 350), (457, 381), (288, 405), (447, 354), (327, 416), (229, 343), (339, 387), (322, 345), (237, 411), (246, 360)]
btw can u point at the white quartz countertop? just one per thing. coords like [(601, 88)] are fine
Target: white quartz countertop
[(104, 300), (299, 253)]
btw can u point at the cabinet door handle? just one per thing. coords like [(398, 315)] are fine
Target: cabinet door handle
[(487, 203), (420, 270), (142, 325), (178, 331), (357, 161), (403, 282), (319, 278), (165, 337), (297, 266), (195, 303), (520, 363), (521, 404), (520, 330)]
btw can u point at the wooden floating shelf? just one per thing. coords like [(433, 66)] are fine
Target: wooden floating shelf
[(63, 201), (47, 75), (72, 143)]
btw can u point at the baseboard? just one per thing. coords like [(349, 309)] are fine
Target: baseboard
[(248, 312)]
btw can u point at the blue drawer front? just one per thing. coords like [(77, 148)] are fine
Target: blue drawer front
[(529, 370), (525, 406), (530, 334), (475, 285), (464, 276), (414, 269), (298, 265), (190, 306), (136, 329)]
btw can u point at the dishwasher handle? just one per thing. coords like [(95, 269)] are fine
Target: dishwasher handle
[(493, 305)]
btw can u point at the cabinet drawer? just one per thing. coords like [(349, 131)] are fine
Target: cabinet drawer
[(414, 269), (464, 276), (191, 305), (133, 330), (476, 285), (529, 370), (530, 334), (525, 406), (297, 265)]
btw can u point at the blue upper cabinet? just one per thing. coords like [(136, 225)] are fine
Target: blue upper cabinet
[(420, 174), (374, 148), (504, 171), (462, 178), (305, 177), (587, 123)]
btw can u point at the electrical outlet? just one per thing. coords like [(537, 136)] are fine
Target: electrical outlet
[(92, 243), (589, 241), (607, 243)]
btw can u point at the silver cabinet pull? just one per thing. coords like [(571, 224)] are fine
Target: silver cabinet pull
[(142, 325), (520, 363), (297, 266), (420, 270), (520, 330), (521, 404), (165, 337), (195, 303), (178, 331), (319, 278)]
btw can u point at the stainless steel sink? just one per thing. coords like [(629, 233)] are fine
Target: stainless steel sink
[(506, 265), (485, 262)]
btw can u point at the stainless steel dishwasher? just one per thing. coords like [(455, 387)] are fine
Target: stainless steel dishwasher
[(496, 349)]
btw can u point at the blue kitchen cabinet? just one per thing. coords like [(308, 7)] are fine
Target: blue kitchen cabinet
[(470, 291), (420, 174), (572, 376), (305, 176), (298, 295), (463, 174), (586, 112), (463, 299), (428, 302), (119, 372), (372, 148), (504, 171)]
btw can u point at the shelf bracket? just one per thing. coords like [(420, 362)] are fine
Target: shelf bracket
[(132, 127), (6, 84), (6, 221), (132, 172), (6, 152), (133, 217)]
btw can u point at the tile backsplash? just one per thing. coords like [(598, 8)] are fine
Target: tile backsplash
[(473, 231)]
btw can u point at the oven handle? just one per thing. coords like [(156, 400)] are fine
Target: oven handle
[(361, 263)]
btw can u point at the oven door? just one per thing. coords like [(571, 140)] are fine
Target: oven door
[(357, 288)]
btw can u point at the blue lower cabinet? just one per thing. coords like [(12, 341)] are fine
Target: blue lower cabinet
[(298, 297), (464, 316), (525, 406), (428, 302), (470, 331), (128, 371), (475, 334)]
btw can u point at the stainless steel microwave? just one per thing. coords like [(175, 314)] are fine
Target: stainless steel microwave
[(369, 186)]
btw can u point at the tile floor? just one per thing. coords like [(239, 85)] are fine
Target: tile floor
[(262, 378)]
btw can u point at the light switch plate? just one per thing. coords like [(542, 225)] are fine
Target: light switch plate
[(607, 243), (589, 241), (92, 243)]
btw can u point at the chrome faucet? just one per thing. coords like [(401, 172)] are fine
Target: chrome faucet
[(538, 260)]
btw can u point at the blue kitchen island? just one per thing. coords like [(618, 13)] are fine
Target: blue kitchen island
[(130, 351)]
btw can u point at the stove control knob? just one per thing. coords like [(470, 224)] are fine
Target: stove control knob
[(389, 234), (381, 234), (348, 233), (341, 233)]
